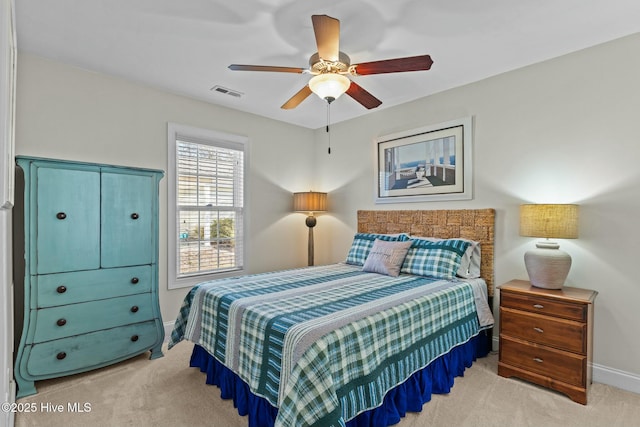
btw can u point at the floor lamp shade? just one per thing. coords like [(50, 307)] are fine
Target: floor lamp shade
[(310, 202), (547, 265)]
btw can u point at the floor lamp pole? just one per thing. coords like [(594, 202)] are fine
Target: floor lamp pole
[(311, 222)]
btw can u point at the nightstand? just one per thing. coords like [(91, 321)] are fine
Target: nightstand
[(546, 336)]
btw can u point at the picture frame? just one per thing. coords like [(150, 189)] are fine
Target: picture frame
[(432, 163)]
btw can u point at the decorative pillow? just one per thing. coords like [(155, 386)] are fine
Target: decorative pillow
[(386, 257), (470, 261), (438, 259), (363, 242)]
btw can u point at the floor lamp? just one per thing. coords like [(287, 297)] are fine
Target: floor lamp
[(310, 202)]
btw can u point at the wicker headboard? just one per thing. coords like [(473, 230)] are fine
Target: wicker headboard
[(472, 224)]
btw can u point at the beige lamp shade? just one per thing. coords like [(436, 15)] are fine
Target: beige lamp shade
[(549, 221), (547, 265), (311, 201)]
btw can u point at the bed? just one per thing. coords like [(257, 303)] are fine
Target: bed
[(357, 343)]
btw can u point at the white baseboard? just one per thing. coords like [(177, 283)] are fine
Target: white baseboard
[(168, 327), (605, 375), (616, 378)]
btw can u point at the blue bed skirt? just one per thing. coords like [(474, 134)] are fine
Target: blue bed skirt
[(409, 396)]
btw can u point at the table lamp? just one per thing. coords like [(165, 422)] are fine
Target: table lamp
[(547, 265)]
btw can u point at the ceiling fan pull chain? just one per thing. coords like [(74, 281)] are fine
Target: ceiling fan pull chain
[(329, 121)]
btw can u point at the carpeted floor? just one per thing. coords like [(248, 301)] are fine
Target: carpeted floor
[(166, 392)]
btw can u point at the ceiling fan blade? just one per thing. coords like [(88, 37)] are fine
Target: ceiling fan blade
[(237, 67), (296, 99), (327, 31), (362, 96), (398, 65)]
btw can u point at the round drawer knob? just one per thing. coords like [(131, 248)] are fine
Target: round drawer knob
[(134, 338), (61, 215), (61, 355), (134, 309), (135, 280), (61, 322), (61, 289), (135, 216)]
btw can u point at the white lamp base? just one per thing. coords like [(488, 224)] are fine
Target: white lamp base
[(547, 265)]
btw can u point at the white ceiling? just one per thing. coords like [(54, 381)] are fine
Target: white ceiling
[(185, 46)]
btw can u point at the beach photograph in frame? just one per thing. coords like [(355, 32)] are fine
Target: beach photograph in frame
[(427, 164)]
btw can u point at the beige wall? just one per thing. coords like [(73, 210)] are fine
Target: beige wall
[(560, 131), (67, 113)]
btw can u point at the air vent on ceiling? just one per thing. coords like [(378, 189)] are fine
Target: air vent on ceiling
[(227, 91)]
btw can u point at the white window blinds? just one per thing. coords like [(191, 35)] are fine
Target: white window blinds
[(209, 206), (206, 204)]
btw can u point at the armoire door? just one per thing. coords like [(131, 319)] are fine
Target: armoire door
[(127, 219), (67, 220)]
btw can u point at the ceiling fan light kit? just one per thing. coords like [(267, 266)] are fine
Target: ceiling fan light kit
[(330, 68), (329, 86)]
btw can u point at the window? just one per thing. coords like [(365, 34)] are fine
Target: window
[(206, 204)]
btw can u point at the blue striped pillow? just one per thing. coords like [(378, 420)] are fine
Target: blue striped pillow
[(439, 259), (363, 242)]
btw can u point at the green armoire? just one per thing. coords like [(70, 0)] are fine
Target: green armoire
[(89, 298)]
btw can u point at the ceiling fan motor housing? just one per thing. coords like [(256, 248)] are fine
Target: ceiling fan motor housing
[(321, 66)]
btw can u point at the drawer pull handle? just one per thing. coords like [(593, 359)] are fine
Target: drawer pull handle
[(135, 216), (134, 338), (538, 306), (61, 322), (61, 215), (61, 289), (135, 280), (134, 309), (538, 330), (537, 360), (61, 355)]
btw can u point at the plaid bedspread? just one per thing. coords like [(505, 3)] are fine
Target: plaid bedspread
[(326, 343)]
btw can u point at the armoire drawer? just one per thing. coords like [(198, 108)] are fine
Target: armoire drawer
[(79, 353), (68, 288), (76, 319), (555, 332)]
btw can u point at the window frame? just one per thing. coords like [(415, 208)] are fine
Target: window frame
[(215, 139)]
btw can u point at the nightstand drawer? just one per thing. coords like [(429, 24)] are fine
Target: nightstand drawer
[(540, 305), (556, 364), (555, 332)]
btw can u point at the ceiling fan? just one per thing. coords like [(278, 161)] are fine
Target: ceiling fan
[(330, 68)]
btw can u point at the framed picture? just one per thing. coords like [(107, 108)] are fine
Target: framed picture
[(426, 164)]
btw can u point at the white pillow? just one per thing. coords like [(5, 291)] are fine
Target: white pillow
[(470, 263)]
